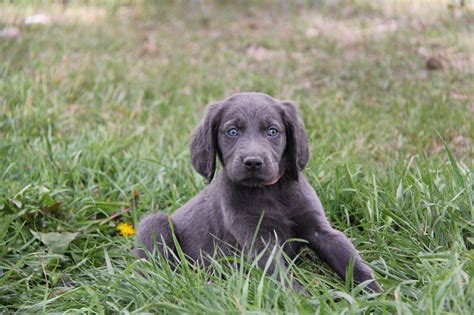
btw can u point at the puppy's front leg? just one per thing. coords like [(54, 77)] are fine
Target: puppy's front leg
[(333, 247), (336, 250)]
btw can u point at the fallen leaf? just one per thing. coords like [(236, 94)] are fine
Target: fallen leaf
[(253, 25), (56, 242), (53, 208), (435, 63)]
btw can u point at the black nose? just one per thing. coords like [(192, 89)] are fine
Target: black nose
[(253, 162)]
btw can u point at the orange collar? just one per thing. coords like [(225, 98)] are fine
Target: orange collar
[(273, 182)]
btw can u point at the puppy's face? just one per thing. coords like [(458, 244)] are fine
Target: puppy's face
[(251, 141), (258, 140)]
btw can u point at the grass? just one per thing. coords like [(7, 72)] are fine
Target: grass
[(96, 110)]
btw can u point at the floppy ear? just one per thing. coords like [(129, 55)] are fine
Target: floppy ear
[(204, 143), (296, 140)]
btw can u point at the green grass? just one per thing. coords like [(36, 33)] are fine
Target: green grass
[(96, 110)]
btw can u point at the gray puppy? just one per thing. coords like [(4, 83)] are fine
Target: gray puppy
[(263, 148)]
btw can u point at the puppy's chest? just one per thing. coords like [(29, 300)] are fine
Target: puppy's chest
[(248, 211), (254, 205)]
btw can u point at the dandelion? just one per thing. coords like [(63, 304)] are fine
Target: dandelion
[(126, 229)]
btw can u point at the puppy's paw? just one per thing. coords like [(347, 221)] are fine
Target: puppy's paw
[(374, 286)]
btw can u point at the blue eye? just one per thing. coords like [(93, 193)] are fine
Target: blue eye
[(272, 132), (232, 132)]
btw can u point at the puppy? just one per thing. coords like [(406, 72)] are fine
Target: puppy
[(262, 146)]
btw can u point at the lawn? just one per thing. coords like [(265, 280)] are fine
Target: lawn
[(97, 104)]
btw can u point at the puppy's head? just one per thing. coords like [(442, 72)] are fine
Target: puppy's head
[(258, 140)]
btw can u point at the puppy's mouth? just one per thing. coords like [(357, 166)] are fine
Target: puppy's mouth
[(253, 181)]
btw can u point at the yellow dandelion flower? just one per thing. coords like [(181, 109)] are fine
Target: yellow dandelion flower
[(126, 229)]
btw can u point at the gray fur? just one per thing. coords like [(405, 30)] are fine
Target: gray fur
[(260, 173)]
